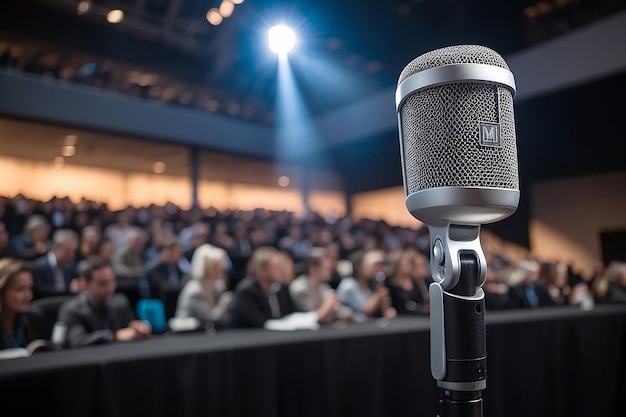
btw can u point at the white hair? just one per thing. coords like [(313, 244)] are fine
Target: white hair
[(204, 255)]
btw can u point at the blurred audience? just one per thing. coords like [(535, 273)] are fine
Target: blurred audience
[(365, 292), (98, 314), (5, 250), (555, 277), (408, 282), (263, 296), (496, 287), (526, 289), (611, 286), (206, 296), (310, 290), (34, 242), (54, 272), (90, 238), (163, 272), (277, 264), (16, 293)]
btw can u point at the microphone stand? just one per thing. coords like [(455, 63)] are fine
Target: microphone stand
[(457, 325)]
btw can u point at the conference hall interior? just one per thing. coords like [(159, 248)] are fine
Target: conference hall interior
[(203, 208)]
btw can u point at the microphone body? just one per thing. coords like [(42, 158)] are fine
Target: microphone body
[(459, 160)]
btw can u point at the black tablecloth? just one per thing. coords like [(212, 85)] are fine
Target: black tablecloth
[(548, 362)]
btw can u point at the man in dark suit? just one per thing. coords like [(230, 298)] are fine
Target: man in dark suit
[(53, 273), (99, 315), (262, 296), (164, 274), (528, 292)]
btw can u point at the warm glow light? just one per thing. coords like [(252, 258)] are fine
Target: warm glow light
[(69, 150), (59, 162), (214, 17), (281, 39), (237, 1), (115, 16), (158, 167), (227, 8), (283, 181), (70, 140), (83, 7)]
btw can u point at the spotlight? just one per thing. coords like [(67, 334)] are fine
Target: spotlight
[(281, 39), (115, 16)]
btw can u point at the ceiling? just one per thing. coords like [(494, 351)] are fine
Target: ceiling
[(349, 50)]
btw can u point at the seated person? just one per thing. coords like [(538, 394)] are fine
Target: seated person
[(526, 291), (611, 286), (54, 273), (262, 296), (97, 314), (205, 296), (33, 243), (16, 293), (497, 291), (407, 284), (128, 260), (310, 289), (554, 276), (365, 292), (165, 277)]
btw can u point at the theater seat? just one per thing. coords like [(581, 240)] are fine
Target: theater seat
[(43, 313)]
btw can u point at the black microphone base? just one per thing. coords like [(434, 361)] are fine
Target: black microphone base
[(461, 404)]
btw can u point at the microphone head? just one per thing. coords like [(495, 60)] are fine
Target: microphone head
[(457, 136)]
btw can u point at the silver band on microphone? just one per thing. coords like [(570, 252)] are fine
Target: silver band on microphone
[(454, 73)]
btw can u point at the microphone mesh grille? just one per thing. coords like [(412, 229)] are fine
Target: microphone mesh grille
[(459, 54), (441, 135)]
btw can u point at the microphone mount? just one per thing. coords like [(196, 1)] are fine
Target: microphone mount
[(457, 306)]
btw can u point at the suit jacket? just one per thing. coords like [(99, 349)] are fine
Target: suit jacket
[(251, 307), (89, 324), (159, 278), (519, 296), (44, 281)]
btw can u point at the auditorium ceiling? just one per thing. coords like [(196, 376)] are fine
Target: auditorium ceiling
[(349, 50), (362, 44)]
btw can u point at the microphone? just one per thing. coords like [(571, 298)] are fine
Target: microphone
[(459, 162)]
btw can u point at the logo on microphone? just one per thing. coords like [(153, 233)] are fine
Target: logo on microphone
[(490, 134)]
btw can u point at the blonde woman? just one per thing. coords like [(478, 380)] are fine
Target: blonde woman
[(611, 286), (205, 297)]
